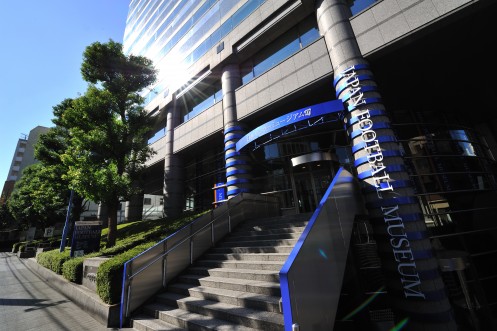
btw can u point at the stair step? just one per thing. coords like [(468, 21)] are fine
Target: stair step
[(191, 321), (259, 275), (248, 243), (148, 323), (252, 249), (270, 226), (248, 317), (233, 297), (250, 232), (232, 264), (262, 236), (247, 256), (234, 284)]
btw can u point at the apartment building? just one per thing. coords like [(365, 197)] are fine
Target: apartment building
[(273, 96)]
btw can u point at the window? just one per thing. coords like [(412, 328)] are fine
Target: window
[(285, 46), (201, 97), (147, 201)]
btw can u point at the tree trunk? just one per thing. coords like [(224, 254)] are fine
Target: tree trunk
[(112, 234)]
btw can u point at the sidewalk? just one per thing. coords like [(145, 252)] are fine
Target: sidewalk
[(29, 303)]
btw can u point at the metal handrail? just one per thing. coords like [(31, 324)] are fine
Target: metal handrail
[(181, 242), (138, 286)]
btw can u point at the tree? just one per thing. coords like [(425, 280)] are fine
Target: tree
[(39, 197), (108, 127), (49, 150)]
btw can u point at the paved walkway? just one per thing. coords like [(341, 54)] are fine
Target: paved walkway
[(28, 303)]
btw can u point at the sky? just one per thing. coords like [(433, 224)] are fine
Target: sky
[(42, 44)]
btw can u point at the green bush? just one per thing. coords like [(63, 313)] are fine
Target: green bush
[(53, 259), (72, 269), (15, 247), (110, 274)]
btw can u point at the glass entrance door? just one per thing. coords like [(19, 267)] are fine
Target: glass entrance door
[(310, 182)]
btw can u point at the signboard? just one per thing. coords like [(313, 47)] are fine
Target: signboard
[(86, 237), (314, 111), (49, 232)]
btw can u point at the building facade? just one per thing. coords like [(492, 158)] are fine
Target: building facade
[(24, 155), (245, 102)]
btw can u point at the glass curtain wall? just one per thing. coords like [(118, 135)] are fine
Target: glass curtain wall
[(455, 180)]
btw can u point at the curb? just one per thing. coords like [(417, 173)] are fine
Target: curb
[(87, 300)]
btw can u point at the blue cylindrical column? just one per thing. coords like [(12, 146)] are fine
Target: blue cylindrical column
[(417, 292), (238, 169)]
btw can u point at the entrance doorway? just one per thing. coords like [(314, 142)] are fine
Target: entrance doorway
[(310, 181)]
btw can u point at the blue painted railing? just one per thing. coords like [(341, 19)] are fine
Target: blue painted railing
[(311, 278)]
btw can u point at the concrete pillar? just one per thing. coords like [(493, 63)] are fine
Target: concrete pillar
[(173, 168), (238, 169), (414, 284)]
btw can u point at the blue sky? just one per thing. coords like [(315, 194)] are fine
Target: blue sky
[(41, 53)]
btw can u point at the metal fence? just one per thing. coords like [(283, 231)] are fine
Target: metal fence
[(148, 273)]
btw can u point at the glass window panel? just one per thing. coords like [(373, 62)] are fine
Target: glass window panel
[(288, 45)]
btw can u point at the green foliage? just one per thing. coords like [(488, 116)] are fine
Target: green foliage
[(72, 269), (110, 273), (53, 259), (135, 237), (39, 197), (108, 128)]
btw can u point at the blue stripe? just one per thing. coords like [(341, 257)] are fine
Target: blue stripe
[(367, 101), (237, 181), (339, 88), (229, 146), (236, 162), (355, 67), (233, 136), (236, 172), (372, 113), (364, 159), (376, 126), (390, 168), (362, 89), (232, 154), (233, 128), (381, 139)]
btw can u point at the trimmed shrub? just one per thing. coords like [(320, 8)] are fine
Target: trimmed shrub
[(110, 274), (53, 259), (72, 269)]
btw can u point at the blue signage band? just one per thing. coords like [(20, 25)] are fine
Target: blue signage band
[(340, 87), (290, 119), (362, 89), (367, 101), (354, 67), (381, 139)]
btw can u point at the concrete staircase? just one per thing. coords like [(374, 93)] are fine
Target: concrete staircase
[(234, 286)]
